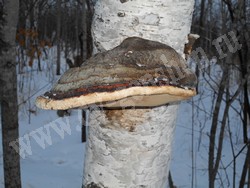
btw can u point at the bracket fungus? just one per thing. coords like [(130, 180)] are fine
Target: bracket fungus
[(137, 73)]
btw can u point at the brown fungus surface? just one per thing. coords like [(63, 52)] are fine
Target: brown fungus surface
[(137, 73)]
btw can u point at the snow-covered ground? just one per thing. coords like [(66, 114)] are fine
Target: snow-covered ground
[(57, 161)]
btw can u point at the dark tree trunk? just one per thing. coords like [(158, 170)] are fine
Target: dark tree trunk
[(84, 128), (212, 171), (89, 39), (86, 50), (58, 34), (9, 108), (9, 112), (245, 169)]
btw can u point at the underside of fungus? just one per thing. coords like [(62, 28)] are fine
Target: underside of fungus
[(137, 73)]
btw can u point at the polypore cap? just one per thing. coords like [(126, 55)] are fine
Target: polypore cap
[(137, 73)]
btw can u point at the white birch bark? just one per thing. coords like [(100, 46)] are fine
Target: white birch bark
[(132, 148), (166, 21)]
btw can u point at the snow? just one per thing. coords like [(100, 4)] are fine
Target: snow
[(59, 164), (57, 160)]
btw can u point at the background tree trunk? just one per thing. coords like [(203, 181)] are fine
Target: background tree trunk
[(87, 51), (84, 57), (58, 34), (115, 155), (9, 108), (90, 12)]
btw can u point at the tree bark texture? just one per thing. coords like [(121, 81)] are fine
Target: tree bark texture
[(166, 21), (9, 108), (132, 147)]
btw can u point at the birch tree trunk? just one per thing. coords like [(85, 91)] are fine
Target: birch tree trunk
[(132, 147), (8, 97)]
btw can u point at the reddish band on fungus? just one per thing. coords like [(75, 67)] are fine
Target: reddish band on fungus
[(103, 88)]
